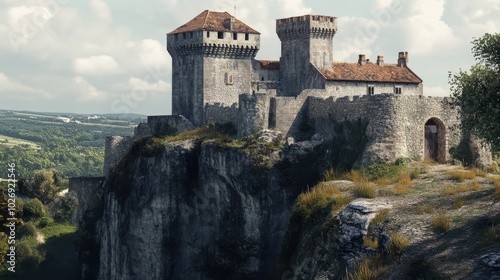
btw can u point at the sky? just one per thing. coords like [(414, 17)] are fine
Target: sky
[(109, 56)]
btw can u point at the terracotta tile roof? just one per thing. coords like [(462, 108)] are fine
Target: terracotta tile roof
[(214, 21), (269, 64), (370, 72)]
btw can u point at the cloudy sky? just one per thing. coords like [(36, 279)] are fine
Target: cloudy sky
[(100, 56)]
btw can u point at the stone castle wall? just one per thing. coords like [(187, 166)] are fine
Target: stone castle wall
[(88, 190), (395, 123), (115, 149)]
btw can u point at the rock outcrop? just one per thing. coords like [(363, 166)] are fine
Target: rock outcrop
[(194, 210)]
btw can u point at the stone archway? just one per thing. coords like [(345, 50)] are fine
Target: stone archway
[(435, 140)]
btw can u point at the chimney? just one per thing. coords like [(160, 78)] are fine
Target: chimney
[(380, 60), (362, 59), (403, 59), (231, 24)]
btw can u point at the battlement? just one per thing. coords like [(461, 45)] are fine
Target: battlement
[(306, 26), (214, 44)]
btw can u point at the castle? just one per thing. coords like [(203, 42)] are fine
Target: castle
[(216, 79)]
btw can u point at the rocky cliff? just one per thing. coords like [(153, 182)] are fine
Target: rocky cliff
[(195, 210)]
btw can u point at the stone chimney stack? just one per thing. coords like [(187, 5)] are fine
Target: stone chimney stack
[(362, 59), (403, 59), (380, 60), (231, 23)]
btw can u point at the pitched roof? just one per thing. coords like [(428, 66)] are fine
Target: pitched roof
[(370, 72), (269, 64), (214, 21)]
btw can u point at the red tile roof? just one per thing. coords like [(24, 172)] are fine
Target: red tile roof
[(214, 21), (269, 64), (370, 72)]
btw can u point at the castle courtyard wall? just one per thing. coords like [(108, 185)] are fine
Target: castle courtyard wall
[(395, 123)]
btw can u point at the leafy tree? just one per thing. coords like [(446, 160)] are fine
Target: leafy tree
[(42, 185), (477, 93), (34, 209), (67, 208)]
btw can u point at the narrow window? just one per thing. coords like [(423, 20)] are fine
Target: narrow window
[(190, 34), (208, 34), (184, 35), (262, 78), (397, 90), (235, 36), (228, 78), (175, 36), (220, 35), (247, 36), (371, 90)]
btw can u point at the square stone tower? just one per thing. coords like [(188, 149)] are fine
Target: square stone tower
[(306, 43), (211, 64)]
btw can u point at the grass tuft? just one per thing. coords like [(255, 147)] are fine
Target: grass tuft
[(461, 175), (458, 203), (323, 194), (426, 209), (368, 269), (370, 243), (365, 190), (381, 216), (397, 243), (441, 222), (496, 183), (478, 172)]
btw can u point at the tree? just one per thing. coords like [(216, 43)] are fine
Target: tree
[(42, 185), (477, 93)]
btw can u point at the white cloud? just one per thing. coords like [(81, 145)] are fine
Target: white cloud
[(294, 8), (96, 65), (88, 92), (100, 9), (144, 85), (13, 88)]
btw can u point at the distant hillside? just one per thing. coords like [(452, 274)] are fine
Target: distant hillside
[(72, 143)]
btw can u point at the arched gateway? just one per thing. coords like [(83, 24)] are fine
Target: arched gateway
[(435, 140)]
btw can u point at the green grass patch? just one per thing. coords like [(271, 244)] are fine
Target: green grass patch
[(57, 230)]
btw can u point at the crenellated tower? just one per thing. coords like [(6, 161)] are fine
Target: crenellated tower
[(306, 43), (211, 61)]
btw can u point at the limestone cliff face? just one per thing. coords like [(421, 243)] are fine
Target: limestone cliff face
[(194, 211)]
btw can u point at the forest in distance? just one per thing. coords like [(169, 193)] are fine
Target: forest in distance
[(70, 143)]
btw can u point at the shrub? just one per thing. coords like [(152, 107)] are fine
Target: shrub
[(27, 229), (441, 222), (491, 235), (34, 209), (67, 208), (397, 243), (28, 256), (45, 222), (42, 185)]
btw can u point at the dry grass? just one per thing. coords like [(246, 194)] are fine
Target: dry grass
[(322, 191), (478, 172), (496, 183), (356, 176), (450, 190), (371, 243), (397, 243), (462, 175), (340, 201), (441, 222), (426, 209), (332, 174), (381, 216), (491, 235), (368, 269), (458, 203), (365, 189)]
